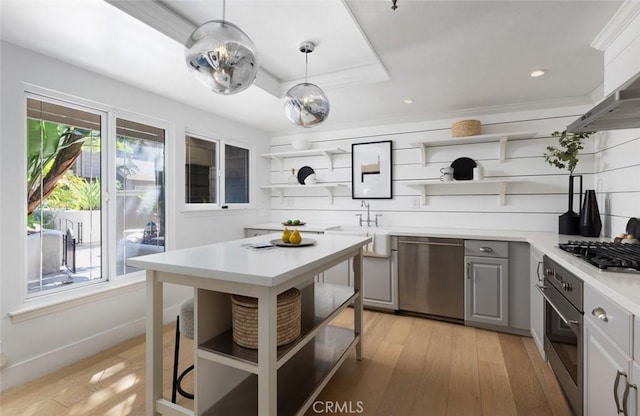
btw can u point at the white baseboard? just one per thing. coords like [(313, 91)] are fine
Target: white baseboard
[(19, 373)]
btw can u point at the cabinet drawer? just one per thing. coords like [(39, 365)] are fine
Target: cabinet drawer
[(616, 321), (483, 248)]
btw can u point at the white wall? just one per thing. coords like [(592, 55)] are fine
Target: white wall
[(617, 161), (532, 204), (42, 344)]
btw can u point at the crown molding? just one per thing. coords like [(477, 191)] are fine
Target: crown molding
[(629, 10)]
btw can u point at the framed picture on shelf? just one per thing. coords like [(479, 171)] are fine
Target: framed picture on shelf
[(371, 170)]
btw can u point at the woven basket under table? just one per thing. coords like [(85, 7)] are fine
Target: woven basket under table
[(244, 313)]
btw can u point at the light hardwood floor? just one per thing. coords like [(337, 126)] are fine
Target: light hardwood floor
[(411, 367)]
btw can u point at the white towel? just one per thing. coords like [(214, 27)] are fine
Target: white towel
[(370, 248)]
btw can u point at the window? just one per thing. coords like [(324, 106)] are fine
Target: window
[(236, 175), (140, 202), (64, 188), (201, 171), (202, 167), (70, 166)]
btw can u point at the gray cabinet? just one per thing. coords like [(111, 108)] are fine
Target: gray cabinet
[(610, 374), (519, 275), (487, 290), (536, 301), (340, 274), (632, 390), (497, 280), (379, 281), (606, 373)]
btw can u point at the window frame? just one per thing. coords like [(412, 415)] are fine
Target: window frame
[(110, 281), (90, 107), (169, 220), (237, 205), (222, 204)]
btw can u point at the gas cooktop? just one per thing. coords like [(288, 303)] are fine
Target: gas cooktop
[(612, 257)]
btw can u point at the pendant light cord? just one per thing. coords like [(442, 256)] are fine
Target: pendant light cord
[(224, 10), (306, 65)]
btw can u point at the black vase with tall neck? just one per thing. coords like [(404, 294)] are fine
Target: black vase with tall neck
[(590, 222), (569, 222)]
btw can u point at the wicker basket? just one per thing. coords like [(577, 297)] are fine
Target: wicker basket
[(244, 313), (464, 128)]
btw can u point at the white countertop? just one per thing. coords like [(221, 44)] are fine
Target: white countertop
[(623, 288), (309, 227), (230, 261)]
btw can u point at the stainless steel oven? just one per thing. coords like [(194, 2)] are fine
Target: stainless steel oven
[(563, 294)]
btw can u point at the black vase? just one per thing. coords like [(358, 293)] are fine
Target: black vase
[(590, 223), (569, 222)]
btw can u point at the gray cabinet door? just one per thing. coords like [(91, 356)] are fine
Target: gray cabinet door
[(536, 301), (633, 396), (487, 290), (604, 363), (340, 274), (377, 283)]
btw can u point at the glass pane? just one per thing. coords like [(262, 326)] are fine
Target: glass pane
[(64, 197), (236, 175), (140, 212), (200, 171)]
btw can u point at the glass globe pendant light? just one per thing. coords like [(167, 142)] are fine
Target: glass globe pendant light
[(221, 56), (306, 104)]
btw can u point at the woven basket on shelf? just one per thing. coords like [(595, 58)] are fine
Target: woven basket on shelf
[(244, 314), (464, 128)]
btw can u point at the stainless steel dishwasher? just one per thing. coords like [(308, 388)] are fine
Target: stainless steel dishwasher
[(431, 277)]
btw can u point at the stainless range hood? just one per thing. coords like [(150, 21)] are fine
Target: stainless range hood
[(620, 110)]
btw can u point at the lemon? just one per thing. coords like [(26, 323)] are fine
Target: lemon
[(295, 237), (286, 235)]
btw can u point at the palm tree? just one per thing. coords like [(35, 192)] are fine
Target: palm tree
[(50, 153)]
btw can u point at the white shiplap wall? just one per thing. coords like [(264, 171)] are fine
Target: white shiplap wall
[(617, 152), (533, 204)]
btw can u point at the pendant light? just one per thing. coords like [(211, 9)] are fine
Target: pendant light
[(306, 104), (221, 56)]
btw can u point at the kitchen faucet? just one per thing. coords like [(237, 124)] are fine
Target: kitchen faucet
[(368, 221)]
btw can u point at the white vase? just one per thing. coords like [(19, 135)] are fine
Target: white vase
[(300, 143)]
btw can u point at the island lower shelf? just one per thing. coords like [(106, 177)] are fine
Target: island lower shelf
[(300, 379), (321, 302)]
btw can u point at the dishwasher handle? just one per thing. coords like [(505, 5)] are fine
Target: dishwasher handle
[(429, 243)]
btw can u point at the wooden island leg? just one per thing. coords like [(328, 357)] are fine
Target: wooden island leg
[(267, 353)]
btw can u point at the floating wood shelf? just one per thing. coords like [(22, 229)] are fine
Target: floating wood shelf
[(500, 138)]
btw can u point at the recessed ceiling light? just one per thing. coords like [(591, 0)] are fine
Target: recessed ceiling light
[(407, 101), (538, 73)]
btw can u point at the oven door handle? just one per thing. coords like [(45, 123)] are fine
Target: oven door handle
[(541, 289)]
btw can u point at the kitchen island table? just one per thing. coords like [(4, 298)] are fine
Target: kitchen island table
[(272, 380)]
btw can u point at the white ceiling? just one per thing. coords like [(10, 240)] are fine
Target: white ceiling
[(453, 58)]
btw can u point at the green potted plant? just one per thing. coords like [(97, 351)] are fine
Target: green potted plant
[(566, 157)]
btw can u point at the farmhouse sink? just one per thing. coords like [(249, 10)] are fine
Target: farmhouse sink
[(381, 246)]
